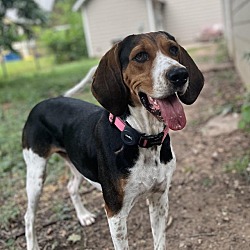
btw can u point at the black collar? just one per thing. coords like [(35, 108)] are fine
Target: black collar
[(132, 137)]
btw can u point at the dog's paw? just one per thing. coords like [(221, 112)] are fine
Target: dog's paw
[(86, 219), (33, 246)]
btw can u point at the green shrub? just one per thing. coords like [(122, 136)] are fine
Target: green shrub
[(245, 114), (68, 45), (65, 37)]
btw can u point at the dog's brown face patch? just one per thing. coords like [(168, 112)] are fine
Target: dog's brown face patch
[(137, 69)]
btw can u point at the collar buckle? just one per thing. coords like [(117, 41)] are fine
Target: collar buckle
[(147, 141)]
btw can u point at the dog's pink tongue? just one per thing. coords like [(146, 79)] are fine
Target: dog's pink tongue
[(172, 112)]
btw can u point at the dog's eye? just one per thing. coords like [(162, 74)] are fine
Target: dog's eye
[(141, 57), (174, 50)]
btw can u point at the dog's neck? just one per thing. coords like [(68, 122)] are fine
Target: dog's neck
[(143, 121)]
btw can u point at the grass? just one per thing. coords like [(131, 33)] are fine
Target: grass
[(25, 87), (17, 68), (19, 94), (240, 166)]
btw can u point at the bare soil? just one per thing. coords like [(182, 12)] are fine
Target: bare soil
[(209, 207)]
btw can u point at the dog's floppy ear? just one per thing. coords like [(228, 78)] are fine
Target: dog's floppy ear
[(108, 86), (196, 79)]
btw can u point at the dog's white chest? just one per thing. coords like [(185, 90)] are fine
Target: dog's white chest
[(149, 174)]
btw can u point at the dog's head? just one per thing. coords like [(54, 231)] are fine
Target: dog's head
[(151, 70)]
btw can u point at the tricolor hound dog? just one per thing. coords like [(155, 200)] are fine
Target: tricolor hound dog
[(124, 148)]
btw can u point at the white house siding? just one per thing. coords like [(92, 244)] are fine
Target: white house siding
[(237, 28), (185, 19), (130, 17)]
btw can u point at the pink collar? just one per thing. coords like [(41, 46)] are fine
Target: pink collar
[(132, 137)]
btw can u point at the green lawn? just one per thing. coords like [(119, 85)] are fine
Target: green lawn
[(17, 68), (18, 94), (25, 87)]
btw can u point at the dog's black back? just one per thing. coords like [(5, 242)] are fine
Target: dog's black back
[(56, 125)]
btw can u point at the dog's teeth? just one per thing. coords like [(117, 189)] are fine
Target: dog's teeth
[(153, 101)]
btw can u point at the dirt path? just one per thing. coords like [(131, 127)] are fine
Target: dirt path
[(209, 208)]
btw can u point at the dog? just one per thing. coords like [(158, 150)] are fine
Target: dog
[(123, 148)]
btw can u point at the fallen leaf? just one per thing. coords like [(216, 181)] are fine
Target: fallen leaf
[(74, 238)]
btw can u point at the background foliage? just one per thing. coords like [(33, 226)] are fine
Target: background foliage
[(29, 14), (64, 35)]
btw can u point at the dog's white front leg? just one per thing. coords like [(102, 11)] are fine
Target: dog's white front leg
[(158, 210), (118, 231)]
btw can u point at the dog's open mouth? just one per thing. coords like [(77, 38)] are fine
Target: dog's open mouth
[(168, 110)]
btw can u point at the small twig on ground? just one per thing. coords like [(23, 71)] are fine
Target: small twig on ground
[(22, 233), (208, 234), (170, 221)]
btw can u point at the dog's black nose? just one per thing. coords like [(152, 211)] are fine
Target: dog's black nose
[(178, 76)]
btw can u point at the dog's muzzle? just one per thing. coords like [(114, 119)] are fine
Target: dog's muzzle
[(177, 76)]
